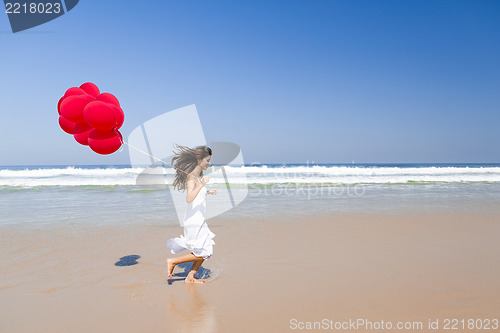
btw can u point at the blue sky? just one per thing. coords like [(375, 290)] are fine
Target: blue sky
[(289, 81)]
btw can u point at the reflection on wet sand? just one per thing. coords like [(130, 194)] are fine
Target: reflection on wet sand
[(187, 308)]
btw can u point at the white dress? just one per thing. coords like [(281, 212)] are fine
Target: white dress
[(197, 236)]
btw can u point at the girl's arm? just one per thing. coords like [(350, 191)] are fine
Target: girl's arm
[(193, 187)]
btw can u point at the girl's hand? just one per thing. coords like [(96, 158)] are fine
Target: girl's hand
[(205, 180), (214, 192)]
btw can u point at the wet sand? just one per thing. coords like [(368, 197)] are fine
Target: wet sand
[(266, 275)]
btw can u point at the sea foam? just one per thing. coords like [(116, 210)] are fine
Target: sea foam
[(263, 174)]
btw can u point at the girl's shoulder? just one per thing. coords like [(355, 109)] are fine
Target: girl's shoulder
[(190, 177)]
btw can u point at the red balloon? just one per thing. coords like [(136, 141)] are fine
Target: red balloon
[(66, 125), (90, 89), (81, 133), (100, 115), (105, 142), (108, 98), (119, 116), (70, 92), (93, 118), (74, 91), (72, 107), (59, 105)]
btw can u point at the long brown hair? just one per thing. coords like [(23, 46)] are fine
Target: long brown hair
[(186, 159)]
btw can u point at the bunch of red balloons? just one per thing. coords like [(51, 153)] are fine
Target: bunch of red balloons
[(92, 118)]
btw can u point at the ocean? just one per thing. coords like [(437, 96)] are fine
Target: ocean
[(114, 195)]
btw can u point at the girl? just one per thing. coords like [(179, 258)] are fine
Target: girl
[(197, 238)]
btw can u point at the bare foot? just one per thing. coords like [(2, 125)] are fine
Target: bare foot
[(193, 280), (170, 267)]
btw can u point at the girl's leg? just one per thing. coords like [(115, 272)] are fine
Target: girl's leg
[(172, 262), (196, 265)]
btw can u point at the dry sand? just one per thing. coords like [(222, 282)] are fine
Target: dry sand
[(265, 275)]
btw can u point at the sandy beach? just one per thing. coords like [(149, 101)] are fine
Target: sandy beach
[(346, 155), (266, 275)]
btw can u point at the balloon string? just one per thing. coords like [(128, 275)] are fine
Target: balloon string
[(142, 151), (154, 157)]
